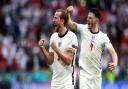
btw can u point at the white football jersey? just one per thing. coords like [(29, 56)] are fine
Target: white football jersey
[(62, 73), (92, 46)]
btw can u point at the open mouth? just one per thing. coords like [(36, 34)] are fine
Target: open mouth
[(54, 25), (88, 23)]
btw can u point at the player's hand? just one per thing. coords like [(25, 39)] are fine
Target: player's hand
[(69, 8), (112, 66), (53, 45), (41, 43)]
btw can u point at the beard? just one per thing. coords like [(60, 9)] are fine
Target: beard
[(90, 25), (56, 27)]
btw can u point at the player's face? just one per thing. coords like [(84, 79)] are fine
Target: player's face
[(56, 20), (91, 20)]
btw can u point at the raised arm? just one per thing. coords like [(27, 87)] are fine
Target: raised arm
[(113, 64), (71, 24), (49, 56)]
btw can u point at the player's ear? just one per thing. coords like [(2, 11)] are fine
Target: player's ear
[(62, 21), (97, 20)]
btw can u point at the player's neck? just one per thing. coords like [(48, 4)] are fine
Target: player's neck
[(95, 29), (62, 31)]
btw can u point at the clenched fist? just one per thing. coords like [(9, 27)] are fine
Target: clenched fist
[(112, 65), (70, 8), (41, 43)]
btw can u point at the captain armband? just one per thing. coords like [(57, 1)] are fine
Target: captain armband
[(71, 51)]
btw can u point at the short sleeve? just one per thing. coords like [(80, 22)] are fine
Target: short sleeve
[(74, 42), (107, 42)]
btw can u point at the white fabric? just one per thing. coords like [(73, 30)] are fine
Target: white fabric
[(92, 46), (62, 73)]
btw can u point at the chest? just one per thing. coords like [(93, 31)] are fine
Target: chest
[(63, 43), (92, 40)]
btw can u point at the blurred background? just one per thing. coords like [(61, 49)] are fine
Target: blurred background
[(24, 22)]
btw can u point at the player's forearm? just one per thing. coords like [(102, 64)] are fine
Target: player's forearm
[(115, 58), (71, 24), (63, 56), (114, 55), (48, 56)]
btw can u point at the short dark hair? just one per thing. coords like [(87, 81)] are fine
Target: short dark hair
[(63, 15), (96, 12)]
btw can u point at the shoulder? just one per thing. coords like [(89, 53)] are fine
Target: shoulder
[(72, 38), (103, 35), (54, 34), (71, 34)]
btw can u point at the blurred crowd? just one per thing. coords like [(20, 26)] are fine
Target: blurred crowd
[(24, 22)]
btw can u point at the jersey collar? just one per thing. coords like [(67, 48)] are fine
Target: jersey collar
[(63, 34), (95, 32)]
